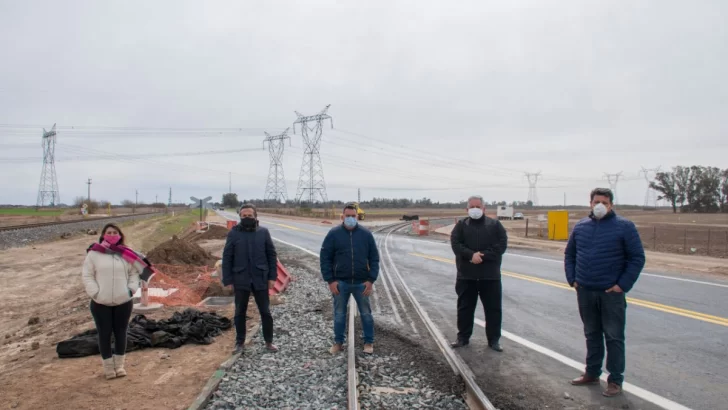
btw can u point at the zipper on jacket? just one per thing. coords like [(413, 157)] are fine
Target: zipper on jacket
[(113, 276), (351, 241)]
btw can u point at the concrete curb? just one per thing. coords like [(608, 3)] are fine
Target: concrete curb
[(204, 397)]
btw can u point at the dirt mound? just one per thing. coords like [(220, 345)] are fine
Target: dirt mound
[(180, 252), (215, 232)]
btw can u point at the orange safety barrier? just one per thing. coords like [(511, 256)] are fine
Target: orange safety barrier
[(282, 281), (424, 227), (231, 224)]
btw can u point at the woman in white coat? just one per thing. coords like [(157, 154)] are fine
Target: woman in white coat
[(111, 274)]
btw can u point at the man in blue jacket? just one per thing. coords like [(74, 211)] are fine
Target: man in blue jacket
[(604, 258), (250, 265), (350, 265)]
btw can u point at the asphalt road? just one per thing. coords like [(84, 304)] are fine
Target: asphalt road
[(677, 330)]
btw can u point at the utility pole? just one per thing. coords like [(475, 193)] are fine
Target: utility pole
[(136, 201), (48, 187), (358, 195), (156, 198), (169, 202), (275, 189), (311, 178), (89, 191), (613, 180)]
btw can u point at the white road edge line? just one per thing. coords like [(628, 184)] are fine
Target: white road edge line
[(630, 388), (297, 247)]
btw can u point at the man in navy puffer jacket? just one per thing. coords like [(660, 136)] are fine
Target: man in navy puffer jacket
[(604, 258), (350, 265)]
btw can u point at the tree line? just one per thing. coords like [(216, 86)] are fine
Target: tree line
[(693, 188)]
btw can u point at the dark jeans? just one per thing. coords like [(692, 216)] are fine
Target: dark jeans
[(111, 320), (604, 318), (490, 292), (241, 307)]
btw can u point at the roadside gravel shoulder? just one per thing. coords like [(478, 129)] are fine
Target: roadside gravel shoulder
[(29, 236)]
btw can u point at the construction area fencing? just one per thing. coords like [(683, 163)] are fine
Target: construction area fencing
[(662, 238), (692, 241)]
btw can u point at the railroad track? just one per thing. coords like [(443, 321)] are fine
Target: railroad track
[(42, 224), (406, 309)]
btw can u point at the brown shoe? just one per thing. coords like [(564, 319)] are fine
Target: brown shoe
[(336, 348), (613, 389), (369, 348), (585, 380)]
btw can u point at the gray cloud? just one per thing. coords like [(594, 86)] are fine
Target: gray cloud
[(575, 90)]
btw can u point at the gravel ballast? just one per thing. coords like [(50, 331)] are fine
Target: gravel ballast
[(23, 237), (401, 374), (302, 374)]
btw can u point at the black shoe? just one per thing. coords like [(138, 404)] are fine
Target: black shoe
[(238, 349), (495, 346), (459, 343)]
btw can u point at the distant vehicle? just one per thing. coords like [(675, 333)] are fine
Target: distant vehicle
[(410, 218), (518, 215), (505, 212), (359, 212)]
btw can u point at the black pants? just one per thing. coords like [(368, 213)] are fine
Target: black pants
[(490, 292), (241, 307), (112, 320), (604, 316)]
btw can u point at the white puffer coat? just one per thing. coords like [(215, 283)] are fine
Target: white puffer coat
[(109, 279)]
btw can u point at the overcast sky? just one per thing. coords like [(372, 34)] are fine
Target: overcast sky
[(573, 89)]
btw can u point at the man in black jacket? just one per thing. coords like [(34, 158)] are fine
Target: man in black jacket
[(479, 243), (250, 265)]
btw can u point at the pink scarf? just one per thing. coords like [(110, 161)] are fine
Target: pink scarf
[(138, 261)]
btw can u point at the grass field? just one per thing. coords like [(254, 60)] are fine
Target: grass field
[(30, 212), (171, 225)]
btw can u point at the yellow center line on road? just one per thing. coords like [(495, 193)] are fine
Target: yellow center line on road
[(639, 302), (293, 228)]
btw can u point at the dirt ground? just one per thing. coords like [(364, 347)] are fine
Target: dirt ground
[(44, 281)]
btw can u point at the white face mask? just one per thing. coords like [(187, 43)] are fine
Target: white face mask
[(475, 213), (599, 211)]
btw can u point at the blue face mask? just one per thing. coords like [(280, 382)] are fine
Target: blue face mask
[(350, 221)]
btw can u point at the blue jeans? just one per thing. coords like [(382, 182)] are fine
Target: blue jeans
[(604, 317), (341, 302)]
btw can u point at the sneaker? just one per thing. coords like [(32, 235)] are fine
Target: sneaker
[(613, 389), (368, 348), (336, 348), (459, 343), (271, 347), (238, 348)]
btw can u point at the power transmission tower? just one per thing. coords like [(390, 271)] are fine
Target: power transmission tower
[(48, 187), (532, 181), (613, 180), (650, 194), (311, 180), (275, 189)]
